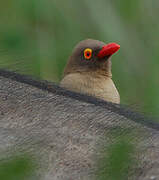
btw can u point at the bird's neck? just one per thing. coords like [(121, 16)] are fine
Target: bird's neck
[(103, 69), (97, 74)]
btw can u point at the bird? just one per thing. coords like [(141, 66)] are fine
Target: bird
[(88, 70)]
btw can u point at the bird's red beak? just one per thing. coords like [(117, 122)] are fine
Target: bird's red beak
[(108, 50)]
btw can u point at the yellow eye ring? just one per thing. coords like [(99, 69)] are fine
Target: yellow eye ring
[(88, 53)]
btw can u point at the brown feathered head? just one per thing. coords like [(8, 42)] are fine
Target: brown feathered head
[(91, 56)]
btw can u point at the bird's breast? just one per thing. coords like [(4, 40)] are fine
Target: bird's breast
[(99, 86)]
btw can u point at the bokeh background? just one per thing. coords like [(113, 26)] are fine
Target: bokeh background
[(37, 36)]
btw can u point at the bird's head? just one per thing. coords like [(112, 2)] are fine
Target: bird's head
[(91, 56)]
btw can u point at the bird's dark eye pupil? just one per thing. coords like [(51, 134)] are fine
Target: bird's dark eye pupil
[(88, 54)]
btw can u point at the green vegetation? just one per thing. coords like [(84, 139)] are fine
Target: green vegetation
[(37, 36), (17, 168), (117, 160)]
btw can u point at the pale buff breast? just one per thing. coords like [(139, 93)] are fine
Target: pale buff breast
[(101, 87)]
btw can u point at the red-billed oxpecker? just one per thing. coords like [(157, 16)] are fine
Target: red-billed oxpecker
[(88, 70)]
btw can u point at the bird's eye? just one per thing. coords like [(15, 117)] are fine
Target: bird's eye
[(88, 53)]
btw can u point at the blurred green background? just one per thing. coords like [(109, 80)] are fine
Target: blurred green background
[(17, 167), (37, 36)]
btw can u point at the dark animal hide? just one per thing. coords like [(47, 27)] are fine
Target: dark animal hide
[(66, 130)]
